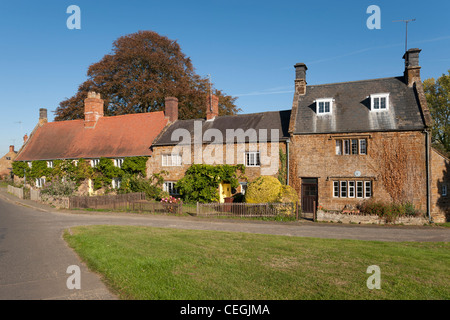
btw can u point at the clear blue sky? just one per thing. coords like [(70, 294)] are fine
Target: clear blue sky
[(248, 47)]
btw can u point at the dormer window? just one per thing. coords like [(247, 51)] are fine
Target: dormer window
[(324, 106), (379, 101)]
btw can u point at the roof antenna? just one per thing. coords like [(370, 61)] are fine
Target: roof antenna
[(406, 23), (210, 92)]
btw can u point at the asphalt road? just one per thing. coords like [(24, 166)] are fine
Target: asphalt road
[(34, 258)]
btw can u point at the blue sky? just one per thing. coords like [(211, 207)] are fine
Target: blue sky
[(248, 47)]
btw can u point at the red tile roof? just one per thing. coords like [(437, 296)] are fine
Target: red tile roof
[(118, 136)]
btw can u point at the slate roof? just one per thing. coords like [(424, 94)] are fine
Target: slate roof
[(117, 136), (351, 108), (264, 120)]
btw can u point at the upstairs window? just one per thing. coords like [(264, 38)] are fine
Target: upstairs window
[(50, 164), (351, 146), (118, 162), (324, 106), (95, 162), (171, 160), (252, 159), (379, 102)]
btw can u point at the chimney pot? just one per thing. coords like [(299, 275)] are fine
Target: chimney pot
[(11, 148), (171, 109)]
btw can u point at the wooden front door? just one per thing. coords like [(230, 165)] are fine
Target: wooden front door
[(309, 194)]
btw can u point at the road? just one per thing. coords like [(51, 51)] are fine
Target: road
[(34, 258)]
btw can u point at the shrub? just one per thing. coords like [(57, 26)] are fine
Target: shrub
[(263, 189), (388, 211), (63, 188), (287, 194)]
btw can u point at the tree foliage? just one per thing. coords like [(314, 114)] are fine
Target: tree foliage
[(437, 93), (201, 181), (141, 71)]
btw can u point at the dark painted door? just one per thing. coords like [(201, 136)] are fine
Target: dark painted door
[(309, 195)]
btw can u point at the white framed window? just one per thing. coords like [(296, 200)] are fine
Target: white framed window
[(49, 164), (339, 147), (359, 189), (118, 162), (95, 162), (379, 102), (40, 182), (116, 182), (171, 160), (362, 146), (335, 189), (351, 189), (324, 106), (343, 189), (243, 187), (169, 186), (252, 159), (354, 146), (346, 147), (444, 190), (351, 146), (367, 189)]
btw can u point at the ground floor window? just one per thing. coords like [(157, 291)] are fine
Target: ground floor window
[(169, 186), (116, 182), (40, 182), (352, 189)]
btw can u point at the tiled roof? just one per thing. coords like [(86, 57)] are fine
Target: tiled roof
[(118, 136), (351, 108), (278, 120)]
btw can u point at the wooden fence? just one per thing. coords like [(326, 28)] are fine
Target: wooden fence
[(119, 201), (129, 202), (248, 209)]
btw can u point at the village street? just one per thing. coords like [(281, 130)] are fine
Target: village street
[(34, 258)]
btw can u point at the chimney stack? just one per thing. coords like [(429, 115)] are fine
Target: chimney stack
[(11, 148), (412, 68), (42, 116), (171, 109), (212, 107), (93, 109), (300, 78)]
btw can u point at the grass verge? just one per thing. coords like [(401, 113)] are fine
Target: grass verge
[(156, 263)]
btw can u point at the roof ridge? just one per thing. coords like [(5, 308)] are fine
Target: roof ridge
[(353, 81)]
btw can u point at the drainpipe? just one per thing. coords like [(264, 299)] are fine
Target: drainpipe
[(427, 144), (287, 161)]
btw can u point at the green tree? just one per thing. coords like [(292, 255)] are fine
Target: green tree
[(437, 93), (143, 69)]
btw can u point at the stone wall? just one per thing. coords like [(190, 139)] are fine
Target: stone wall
[(323, 216)]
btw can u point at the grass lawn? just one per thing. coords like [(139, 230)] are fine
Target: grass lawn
[(156, 263)]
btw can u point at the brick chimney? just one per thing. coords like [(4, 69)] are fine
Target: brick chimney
[(212, 107), (42, 116), (93, 109), (412, 68), (11, 148), (171, 109), (300, 78)]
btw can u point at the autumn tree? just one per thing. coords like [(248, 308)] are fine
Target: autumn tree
[(142, 70), (437, 93)]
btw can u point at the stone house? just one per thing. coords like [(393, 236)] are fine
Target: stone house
[(94, 137), (6, 163), (368, 139), (254, 140)]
